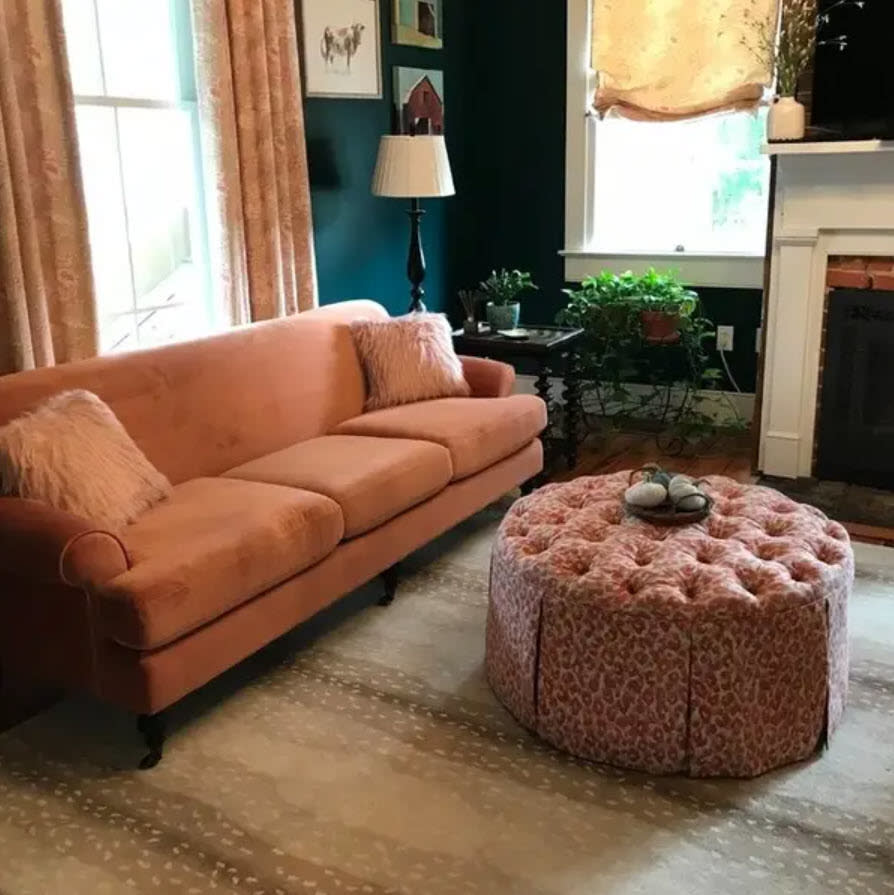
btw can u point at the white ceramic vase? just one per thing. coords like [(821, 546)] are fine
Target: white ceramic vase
[(788, 119)]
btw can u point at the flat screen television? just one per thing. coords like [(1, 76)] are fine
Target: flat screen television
[(853, 88)]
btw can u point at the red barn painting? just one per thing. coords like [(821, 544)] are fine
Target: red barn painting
[(419, 96)]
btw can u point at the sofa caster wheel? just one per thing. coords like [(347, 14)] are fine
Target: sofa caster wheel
[(152, 729), (389, 578)]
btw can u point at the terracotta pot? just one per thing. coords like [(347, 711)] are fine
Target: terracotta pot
[(660, 327), (787, 119)]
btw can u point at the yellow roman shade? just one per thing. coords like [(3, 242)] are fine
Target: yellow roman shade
[(667, 59)]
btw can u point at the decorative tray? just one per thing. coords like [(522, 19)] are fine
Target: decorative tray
[(668, 512)]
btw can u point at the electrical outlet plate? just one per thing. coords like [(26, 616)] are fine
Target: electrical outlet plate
[(725, 338)]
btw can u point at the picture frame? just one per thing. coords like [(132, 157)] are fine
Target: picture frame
[(418, 101), (341, 42), (418, 23)]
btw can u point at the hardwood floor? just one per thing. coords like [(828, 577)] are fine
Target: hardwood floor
[(630, 450), (731, 457)]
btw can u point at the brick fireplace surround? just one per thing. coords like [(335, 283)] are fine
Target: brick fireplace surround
[(860, 272), (833, 227)]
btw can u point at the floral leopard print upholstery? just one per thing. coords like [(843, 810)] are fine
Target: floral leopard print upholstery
[(716, 649)]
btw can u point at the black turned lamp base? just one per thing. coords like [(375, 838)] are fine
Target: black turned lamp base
[(416, 259)]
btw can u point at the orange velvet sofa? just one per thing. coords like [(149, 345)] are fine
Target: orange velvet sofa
[(286, 497)]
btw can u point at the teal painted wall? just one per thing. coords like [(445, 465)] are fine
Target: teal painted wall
[(361, 240), (504, 63)]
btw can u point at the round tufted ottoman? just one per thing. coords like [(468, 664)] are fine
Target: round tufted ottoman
[(716, 649)]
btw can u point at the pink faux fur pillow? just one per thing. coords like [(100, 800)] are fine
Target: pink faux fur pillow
[(408, 359), (73, 453)]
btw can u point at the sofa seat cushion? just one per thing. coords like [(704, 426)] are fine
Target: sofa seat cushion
[(478, 432), (371, 479), (215, 544)]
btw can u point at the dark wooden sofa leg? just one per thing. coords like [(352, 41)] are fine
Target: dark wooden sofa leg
[(153, 731), (531, 485), (389, 579)]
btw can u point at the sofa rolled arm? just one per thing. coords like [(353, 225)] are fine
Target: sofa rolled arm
[(41, 543), (488, 378)]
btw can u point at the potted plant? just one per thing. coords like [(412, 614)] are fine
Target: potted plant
[(664, 302), (624, 379), (502, 289), (789, 51)]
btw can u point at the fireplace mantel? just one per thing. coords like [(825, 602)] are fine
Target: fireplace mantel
[(826, 204), (828, 147)]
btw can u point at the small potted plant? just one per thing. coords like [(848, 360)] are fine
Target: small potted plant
[(502, 289)]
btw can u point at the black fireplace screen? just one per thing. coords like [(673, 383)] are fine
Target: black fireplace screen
[(856, 423)]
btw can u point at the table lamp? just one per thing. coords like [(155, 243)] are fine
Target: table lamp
[(413, 168)]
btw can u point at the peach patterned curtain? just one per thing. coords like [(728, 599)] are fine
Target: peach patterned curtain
[(47, 309), (668, 59), (253, 129)]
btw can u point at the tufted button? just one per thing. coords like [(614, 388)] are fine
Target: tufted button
[(704, 556), (632, 587), (828, 555), (642, 560), (776, 528), (534, 547)]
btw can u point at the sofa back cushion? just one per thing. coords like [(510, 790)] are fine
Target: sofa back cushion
[(200, 408)]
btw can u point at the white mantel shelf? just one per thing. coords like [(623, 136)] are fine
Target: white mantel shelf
[(828, 147)]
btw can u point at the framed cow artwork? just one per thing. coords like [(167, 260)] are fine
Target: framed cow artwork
[(341, 42)]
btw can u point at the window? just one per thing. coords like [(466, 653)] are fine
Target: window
[(132, 71), (691, 195), (692, 186)]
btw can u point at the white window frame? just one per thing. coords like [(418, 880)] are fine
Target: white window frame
[(729, 270), (187, 102)]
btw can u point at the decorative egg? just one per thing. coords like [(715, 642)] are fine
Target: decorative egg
[(680, 487), (692, 503), (646, 494), (660, 477)]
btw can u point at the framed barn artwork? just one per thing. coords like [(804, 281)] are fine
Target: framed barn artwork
[(341, 43), (418, 101), (418, 23)]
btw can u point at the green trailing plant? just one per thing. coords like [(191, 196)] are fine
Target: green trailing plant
[(503, 287), (625, 377)]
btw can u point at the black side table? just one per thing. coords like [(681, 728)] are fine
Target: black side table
[(553, 350)]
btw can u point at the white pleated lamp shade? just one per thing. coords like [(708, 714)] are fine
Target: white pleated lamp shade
[(413, 168)]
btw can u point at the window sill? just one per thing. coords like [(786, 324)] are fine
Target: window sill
[(724, 271)]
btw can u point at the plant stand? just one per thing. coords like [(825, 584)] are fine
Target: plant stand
[(550, 352)]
